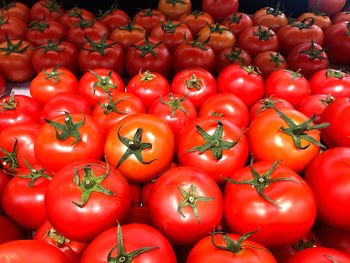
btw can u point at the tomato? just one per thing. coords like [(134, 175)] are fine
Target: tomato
[(185, 205), (68, 138), (237, 22), (242, 81), (196, 20), (338, 132), (197, 82), (219, 9), (126, 35), (13, 26), (55, 54), (71, 16), (227, 247), (4, 179), (80, 212), (193, 54), (113, 17), (341, 16), (40, 33), (95, 84), (18, 10), (18, 109), (214, 144), (327, 6), (135, 145), (271, 17), (234, 55), (280, 204), (139, 214), (257, 39), (227, 105), (319, 255), (50, 9), (296, 33), (22, 251), (9, 230), (321, 20), (148, 54), (337, 42), (219, 36), (23, 197), (17, 146), (148, 87), (176, 110), (61, 103), (268, 62), (286, 135), (287, 84), (148, 18), (16, 60), (116, 107), (174, 9), (135, 242), (52, 81)]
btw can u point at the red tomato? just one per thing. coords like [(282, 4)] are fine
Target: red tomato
[(74, 209), (329, 7), (148, 18), (234, 55), (14, 27), (219, 9), (9, 230), (174, 9), (4, 179), (242, 81), (18, 10), (113, 17), (68, 138), (135, 242), (135, 145), (50, 9), (19, 251), (319, 255), (280, 204), (196, 20), (328, 177), (337, 42), (321, 19), (237, 22), (287, 84), (341, 16), (52, 81), (71, 16), (185, 205), (271, 17), (95, 84), (268, 62), (148, 86), (337, 134)]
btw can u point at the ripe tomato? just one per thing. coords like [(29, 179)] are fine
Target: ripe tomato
[(237, 22), (271, 17), (4, 179), (219, 9), (50, 9), (268, 62), (68, 138), (135, 145), (71, 16), (280, 204), (234, 55), (14, 27), (148, 18), (174, 9), (337, 42), (196, 20), (85, 198), (136, 243), (319, 255), (9, 230), (341, 16), (327, 6), (321, 19), (185, 205), (18, 10), (113, 17), (52, 81), (197, 82), (243, 81)]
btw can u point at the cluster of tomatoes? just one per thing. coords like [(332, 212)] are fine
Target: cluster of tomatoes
[(158, 139)]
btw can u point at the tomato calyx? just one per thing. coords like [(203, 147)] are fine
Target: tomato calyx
[(53, 75), (196, 43), (13, 48), (2, 20), (193, 83), (297, 131), (111, 105), (103, 82), (68, 129), (197, 13), (313, 52), (147, 76), (234, 19), (83, 23), (303, 23), (330, 257), (129, 27), (34, 174), (50, 46), (98, 46), (190, 199), (260, 182), (75, 12), (275, 11), (135, 146), (146, 12), (90, 183), (295, 74), (101, 14), (175, 104), (124, 257), (328, 100), (251, 69), (263, 34), (276, 58), (40, 26), (217, 28), (147, 47), (52, 5), (59, 239), (9, 104), (214, 142), (174, 2), (10, 158), (339, 74), (267, 103), (169, 27), (235, 55), (301, 244), (7, 6), (348, 28)]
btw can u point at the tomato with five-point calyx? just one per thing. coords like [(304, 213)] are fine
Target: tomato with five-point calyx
[(85, 198), (174, 8), (196, 20), (71, 16), (141, 146), (50, 9), (219, 9), (237, 22), (268, 62), (148, 18), (234, 55), (280, 204), (271, 17)]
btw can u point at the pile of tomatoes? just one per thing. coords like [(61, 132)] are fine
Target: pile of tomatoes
[(174, 135)]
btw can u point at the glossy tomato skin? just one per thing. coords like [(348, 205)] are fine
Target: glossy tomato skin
[(338, 132), (166, 197), (268, 143), (148, 18), (234, 55), (341, 16), (4, 179), (319, 255), (281, 224), (49, 9), (154, 131), (54, 154), (220, 9), (126, 35), (135, 236), (9, 230), (71, 16), (237, 22), (72, 221), (327, 176), (323, 21), (314, 104), (337, 42), (243, 82), (14, 27), (22, 251), (328, 7), (44, 86), (205, 252), (270, 17), (268, 62), (231, 160)]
